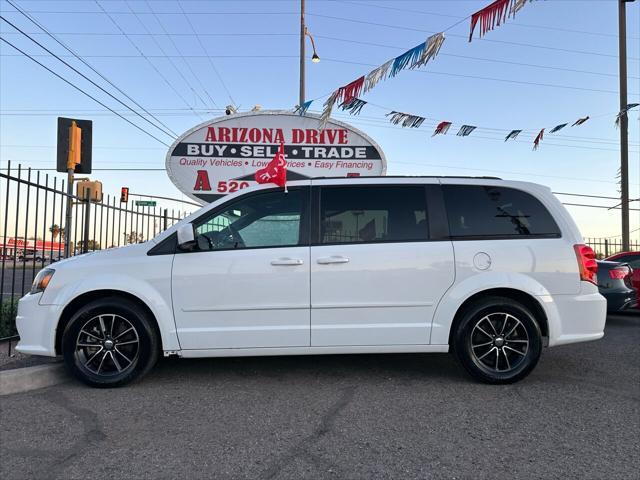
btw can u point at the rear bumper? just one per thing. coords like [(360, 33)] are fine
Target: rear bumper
[(36, 326), (575, 318), (620, 300)]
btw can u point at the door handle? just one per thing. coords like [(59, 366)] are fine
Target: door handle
[(332, 259), (286, 261)]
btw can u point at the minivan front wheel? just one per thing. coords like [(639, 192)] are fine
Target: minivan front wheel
[(497, 340), (109, 342)]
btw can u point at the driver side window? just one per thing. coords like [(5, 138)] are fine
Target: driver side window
[(261, 220)]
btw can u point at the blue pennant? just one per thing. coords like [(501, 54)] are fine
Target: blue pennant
[(407, 59), (302, 110)]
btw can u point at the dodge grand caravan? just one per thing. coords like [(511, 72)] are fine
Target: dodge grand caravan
[(491, 270)]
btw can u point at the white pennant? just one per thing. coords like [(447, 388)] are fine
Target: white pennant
[(374, 76), (434, 43), (328, 106)]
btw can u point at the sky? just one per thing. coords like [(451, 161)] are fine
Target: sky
[(555, 62)]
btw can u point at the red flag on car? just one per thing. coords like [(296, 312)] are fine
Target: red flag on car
[(275, 171)]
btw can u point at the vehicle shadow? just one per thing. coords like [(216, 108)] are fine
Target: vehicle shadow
[(407, 367)]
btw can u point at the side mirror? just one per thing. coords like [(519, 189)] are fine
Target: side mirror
[(186, 236)]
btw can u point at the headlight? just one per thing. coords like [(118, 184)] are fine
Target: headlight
[(42, 280)]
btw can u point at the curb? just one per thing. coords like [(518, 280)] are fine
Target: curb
[(20, 380)]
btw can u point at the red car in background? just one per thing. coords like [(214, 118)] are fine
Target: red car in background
[(633, 259)]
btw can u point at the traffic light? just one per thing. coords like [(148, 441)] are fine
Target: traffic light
[(74, 145), (124, 194)]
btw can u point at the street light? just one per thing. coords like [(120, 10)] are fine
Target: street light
[(304, 32), (314, 58)]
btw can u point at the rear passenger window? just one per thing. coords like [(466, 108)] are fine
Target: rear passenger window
[(373, 214), (483, 211)]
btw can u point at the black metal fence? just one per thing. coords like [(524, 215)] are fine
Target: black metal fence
[(33, 230), (605, 247)]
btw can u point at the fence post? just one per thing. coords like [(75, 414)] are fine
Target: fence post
[(87, 217), (164, 218), (606, 248)]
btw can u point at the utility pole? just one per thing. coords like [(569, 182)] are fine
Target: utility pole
[(302, 54), (73, 159), (624, 124)]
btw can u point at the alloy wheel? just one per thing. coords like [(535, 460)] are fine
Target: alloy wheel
[(107, 345), (499, 342)]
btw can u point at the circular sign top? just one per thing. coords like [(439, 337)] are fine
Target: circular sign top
[(221, 156)]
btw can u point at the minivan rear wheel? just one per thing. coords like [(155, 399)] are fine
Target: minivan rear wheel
[(110, 342), (497, 340)]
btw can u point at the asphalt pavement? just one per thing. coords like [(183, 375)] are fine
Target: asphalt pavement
[(357, 416)]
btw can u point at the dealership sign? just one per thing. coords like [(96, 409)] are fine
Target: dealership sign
[(221, 156)]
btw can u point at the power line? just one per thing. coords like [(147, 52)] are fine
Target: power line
[(90, 81), (66, 47), (516, 24), (599, 206), (193, 74), (586, 196), (382, 124), (111, 55), (345, 40), (494, 79), (122, 12), (508, 172), (213, 67), (469, 57), (82, 91), (173, 34), (505, 42), (377, 121), (350, 62), (169, 84)]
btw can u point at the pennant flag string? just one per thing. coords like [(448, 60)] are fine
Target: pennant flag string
[(465, 130), (442, 128), (517, 6), (512, 135), (489, 17), (351, 90), (623, 112), (558, 127), (407, 59), (432, 47), (328, 106), (494, 15), (407, 120), (580, 121), (354, 106), (302, 109), (374, 76), (536, 141)]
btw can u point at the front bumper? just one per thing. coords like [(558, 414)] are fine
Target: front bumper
[(37, 326)]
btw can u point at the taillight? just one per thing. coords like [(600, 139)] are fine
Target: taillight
[(619, 273), (587, 263)]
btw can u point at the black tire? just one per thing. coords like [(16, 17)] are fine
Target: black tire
[(481, 344), (90, 348)]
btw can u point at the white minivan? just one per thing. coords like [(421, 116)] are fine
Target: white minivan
[(492, 270)]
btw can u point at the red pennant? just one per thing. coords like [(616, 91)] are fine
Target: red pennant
[(275, 171), (351, 90), (539, 137), (489, 17)]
